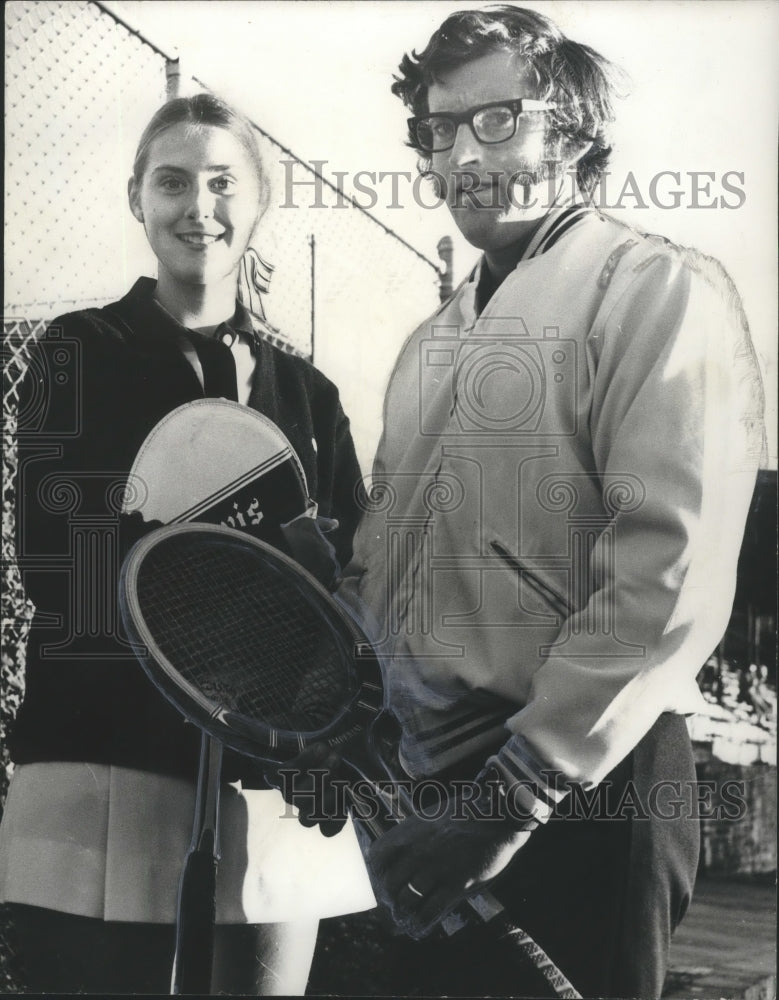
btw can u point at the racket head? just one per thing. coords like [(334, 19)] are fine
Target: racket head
[(245, 643), (217, 461)]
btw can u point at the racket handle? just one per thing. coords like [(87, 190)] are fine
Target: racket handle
[(195, 931), (484, 906), (543, 964), (196, 915)]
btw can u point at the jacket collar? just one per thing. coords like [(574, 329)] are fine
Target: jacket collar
[(150, 322), (566, 213)]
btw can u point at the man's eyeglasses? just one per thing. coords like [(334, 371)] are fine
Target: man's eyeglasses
[(490, 123)]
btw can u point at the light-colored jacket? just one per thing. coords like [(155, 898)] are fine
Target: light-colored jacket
[(558, 502)]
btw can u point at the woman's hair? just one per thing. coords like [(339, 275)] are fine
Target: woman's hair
[(581, 82), (199, 111)]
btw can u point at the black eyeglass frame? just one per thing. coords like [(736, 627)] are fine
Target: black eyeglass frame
[(516, 106)]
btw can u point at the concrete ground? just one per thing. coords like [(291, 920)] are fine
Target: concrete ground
[(724, 950), (726, 946)]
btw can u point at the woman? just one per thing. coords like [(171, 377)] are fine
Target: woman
[(100, 808)]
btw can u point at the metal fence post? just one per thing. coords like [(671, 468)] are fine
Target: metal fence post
[(445, 251), (312, 244), (172, 78)]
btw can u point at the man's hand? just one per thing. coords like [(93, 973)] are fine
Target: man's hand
[(307, 783), (423, 867)]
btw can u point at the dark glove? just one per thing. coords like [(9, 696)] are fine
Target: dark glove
[(239, 767), (310, 783), (305, 536), (132, 528)]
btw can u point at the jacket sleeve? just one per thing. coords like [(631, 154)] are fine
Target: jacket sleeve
[(338, 470), (678, 406), (346, 478)]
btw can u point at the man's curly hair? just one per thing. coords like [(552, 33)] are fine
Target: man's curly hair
[(580, 81)]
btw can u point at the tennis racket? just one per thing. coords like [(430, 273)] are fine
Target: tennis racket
[(216, 461), (252, 649)]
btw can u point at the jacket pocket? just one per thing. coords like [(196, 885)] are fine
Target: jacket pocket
[(548, 594)]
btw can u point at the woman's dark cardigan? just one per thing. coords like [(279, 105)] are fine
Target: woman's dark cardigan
[(99, 381)]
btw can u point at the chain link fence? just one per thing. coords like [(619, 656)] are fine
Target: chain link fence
[(79, 88)]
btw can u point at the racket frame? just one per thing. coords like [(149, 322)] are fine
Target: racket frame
[(239, 732)]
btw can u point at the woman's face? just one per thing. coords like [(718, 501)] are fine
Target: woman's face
[(199, 201)]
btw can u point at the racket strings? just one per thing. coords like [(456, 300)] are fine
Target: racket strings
[(244, 633)]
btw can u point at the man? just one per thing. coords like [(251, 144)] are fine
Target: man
[(549, 547)]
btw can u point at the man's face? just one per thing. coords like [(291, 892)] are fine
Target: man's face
[(501, 209)]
